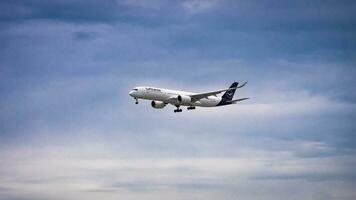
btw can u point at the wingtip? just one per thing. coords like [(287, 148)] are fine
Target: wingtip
[(242, 85)]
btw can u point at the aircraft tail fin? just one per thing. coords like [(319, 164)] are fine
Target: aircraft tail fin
[(229, 94)]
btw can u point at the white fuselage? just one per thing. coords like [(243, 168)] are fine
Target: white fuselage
[(170, 96)]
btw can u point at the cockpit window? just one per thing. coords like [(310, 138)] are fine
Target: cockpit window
[(135, 89)]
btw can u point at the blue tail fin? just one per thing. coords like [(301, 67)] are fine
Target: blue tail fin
[(230, 93)]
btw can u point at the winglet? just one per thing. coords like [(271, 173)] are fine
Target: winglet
[(242, 85)]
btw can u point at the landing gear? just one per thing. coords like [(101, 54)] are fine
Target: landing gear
[(191, 108), (178, 109), (136, 101)]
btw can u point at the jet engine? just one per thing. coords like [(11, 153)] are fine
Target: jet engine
[(183, 99), (158, 104)]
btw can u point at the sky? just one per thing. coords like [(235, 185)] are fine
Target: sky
[(69, 129)]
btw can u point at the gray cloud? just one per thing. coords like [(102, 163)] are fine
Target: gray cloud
[(225, 14), (80, 35), (314, 177), (76, 11), (67, 123), (39, 174)]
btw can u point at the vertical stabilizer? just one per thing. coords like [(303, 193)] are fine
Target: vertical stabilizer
[(230, 93)]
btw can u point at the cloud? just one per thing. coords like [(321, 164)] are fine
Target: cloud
[(155, 4), (214, 14), (78, 11), (80, 35), (68, 128), (197, 6), (47, 171)]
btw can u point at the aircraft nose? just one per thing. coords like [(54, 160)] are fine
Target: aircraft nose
[(131, 93)]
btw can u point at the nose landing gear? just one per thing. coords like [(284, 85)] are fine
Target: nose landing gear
[(136, 101)]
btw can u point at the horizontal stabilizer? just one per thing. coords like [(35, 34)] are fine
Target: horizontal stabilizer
[(237, 100)]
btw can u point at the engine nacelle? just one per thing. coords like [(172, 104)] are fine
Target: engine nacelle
[(158, 104), (183, 99)]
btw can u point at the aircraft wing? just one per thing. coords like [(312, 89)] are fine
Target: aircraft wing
[(207, 94)]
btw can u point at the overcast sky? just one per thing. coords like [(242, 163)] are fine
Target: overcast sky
[(69, 130)]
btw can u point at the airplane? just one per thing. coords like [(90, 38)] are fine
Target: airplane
[(161, 97)]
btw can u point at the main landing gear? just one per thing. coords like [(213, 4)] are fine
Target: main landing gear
[(191, 108), (178, 109)]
